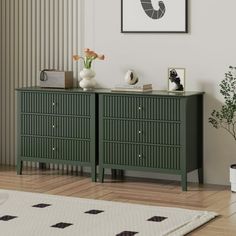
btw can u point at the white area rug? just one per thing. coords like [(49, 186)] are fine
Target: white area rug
[(31, 214)]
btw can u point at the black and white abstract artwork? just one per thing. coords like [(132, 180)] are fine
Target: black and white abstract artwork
[(149, 16)]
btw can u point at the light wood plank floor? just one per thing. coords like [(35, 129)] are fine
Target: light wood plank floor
[(133, 190)]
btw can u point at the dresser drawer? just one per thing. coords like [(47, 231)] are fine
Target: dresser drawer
[(55, 103), (56, 126), (141, 107), (161, 157), (55, 149), (149, 132)]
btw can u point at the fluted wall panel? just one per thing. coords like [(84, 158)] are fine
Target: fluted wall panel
[(34, 35)]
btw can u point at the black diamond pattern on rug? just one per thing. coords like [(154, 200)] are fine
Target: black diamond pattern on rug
[(126, 233), (93, 212), (7, 218), (61, 225), (157, 218), (41, 205)]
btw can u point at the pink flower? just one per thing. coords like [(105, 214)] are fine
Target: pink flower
[(76, 57), (101, 57), (89, 57)]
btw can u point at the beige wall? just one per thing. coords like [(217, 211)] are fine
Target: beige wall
[(34, 34)]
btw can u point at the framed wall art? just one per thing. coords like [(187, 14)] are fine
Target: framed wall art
[(176, 79), (153, 16)]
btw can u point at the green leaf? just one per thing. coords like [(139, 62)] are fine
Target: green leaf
[(225, 117)]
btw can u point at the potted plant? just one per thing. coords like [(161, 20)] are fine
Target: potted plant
[(226, 116)]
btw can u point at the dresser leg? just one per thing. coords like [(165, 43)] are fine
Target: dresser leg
[(19, 167), (82, 170), (113, 173), (42, 166), (200, 176), (101, 174), (94, 173), (117, 173), (184, 182)]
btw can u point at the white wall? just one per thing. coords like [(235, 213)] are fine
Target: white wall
[(205, 52)]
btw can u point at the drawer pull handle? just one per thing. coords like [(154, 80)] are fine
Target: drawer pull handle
[(53, 103), (139, 155), (53, 126), (53, 149), (140, 108), (139, 131)]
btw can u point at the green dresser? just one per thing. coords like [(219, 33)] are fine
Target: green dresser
[(156, 131), (57, 126)]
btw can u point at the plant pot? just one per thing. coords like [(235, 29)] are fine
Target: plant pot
[(232, 175), (87, 82)]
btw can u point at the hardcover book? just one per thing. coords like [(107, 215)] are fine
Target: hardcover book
[(135, 88)]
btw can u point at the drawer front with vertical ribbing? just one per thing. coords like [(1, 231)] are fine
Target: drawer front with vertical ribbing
[(55, 149), (150, 132), (141, 107), (55, 126), (56, 103), (150, 156)]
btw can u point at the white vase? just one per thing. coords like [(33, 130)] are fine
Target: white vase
[(232, 175), (87, 82)]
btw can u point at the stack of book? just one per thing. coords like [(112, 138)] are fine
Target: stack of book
[(132, 88)]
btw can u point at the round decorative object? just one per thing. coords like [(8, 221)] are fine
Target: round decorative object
[(130, 77), (87, 82)]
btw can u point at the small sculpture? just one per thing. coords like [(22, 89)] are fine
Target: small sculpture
[(131, 77), (174, 78)]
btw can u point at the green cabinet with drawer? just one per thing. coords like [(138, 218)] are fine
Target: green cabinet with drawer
[(57, 126), (157, 131)]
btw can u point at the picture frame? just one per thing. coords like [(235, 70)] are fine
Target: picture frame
[(176, 79), (142, 16)]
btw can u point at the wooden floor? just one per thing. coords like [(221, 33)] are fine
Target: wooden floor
[(133, 190)]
